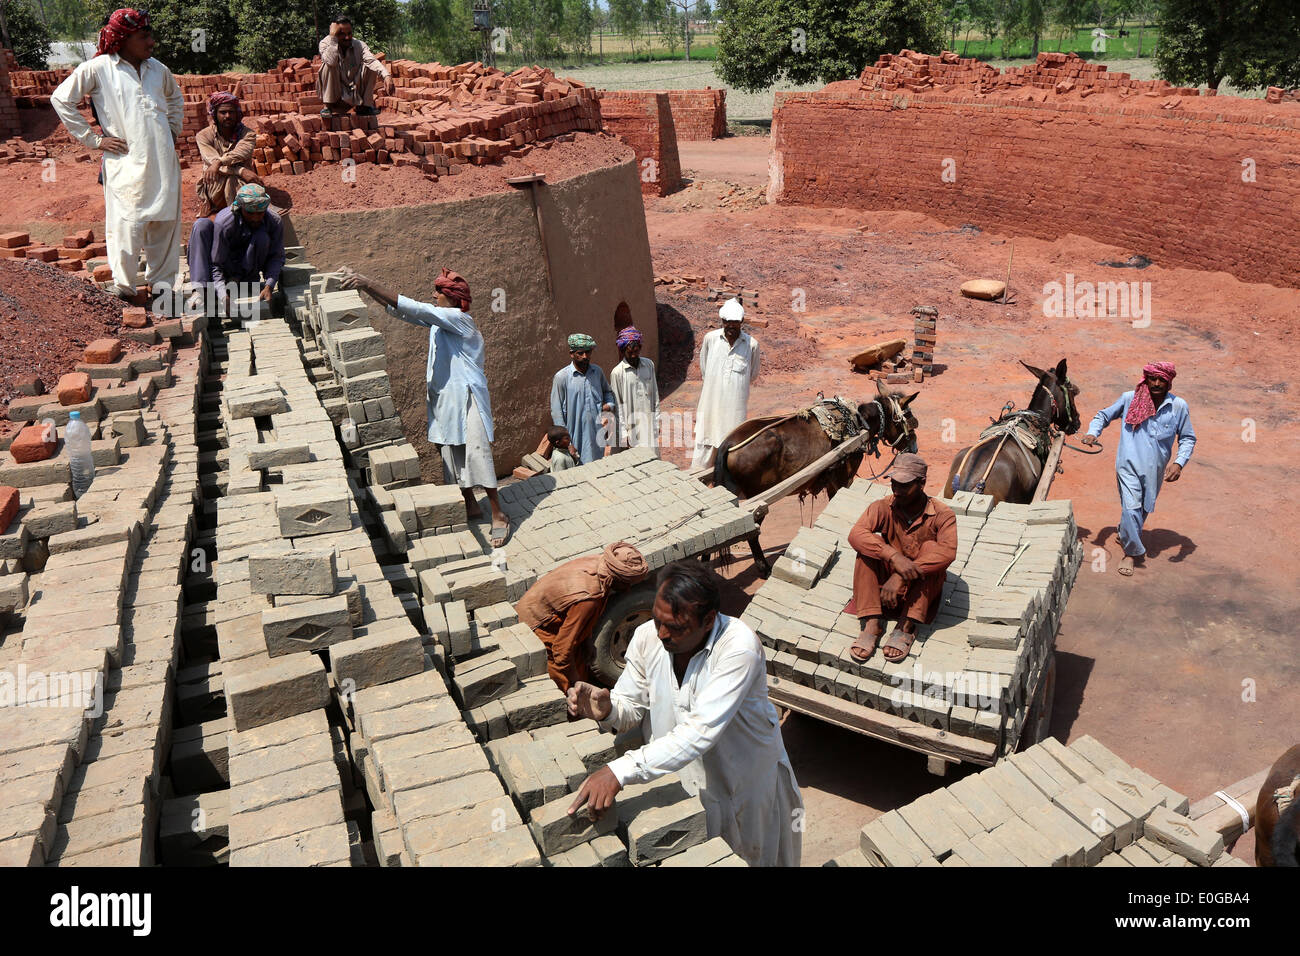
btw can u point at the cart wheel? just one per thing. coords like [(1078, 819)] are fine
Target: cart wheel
[(613, 633), (1039, 719)]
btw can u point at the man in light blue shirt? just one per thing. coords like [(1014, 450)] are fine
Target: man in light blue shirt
[(580, 396), (1152, 418), (457, 402)]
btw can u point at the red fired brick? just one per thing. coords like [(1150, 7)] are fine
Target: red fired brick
[(73, 388), (31, 444), (104, 351), (8, 507)]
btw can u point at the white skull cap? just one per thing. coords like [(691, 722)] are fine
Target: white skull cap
[(732, 311)]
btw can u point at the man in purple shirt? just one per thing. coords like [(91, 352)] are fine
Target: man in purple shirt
[(245, 243)]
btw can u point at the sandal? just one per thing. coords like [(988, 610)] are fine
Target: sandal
[(899, 640), (500, 535), (866, 643)]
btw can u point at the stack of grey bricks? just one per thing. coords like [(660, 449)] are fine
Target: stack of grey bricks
[(1049, 805), (96, 588), (972, 672)]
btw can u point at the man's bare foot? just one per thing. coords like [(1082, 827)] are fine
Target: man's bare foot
[(1127, 564)]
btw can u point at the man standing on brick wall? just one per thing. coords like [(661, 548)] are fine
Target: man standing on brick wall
[(141, 110), (457, 402), (636, 393), (580, 397), (564, 605), (348, 72), (728, 365), (698, 679), (243, 245), (1152, 419)]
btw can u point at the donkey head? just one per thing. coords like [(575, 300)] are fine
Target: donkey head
[(889, 418), (1055, 397)]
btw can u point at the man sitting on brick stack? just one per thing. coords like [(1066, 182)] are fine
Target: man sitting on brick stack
[(697, 681), (904, 543), (226, 147), (459, 409), (348, 72), (563, 606), (243, 245)]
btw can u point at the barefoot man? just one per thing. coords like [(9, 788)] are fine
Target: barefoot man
[(460, 412), (904, 543), (696, 681), (1152, 418)]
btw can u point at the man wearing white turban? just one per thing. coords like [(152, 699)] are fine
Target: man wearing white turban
[(728, 365)]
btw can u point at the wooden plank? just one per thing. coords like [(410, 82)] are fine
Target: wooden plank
[(763, 500), (1049, 469), (878, 352), (878, 724), (1221, 817)]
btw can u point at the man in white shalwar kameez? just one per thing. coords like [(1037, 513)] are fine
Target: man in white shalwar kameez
[(141, 110), (456, 395), (729, 365), (636, 393), (696, 681)]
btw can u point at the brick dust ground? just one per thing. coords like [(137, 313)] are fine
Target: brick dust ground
[(1156, 665)]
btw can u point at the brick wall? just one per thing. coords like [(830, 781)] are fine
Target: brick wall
[(644, 120), (1149, 171), (456, 114), (699, 114), (10, 125)]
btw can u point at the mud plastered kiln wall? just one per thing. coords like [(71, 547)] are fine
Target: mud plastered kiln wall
[(1143, 167), (599, 254)]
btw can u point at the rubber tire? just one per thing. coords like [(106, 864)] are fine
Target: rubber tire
[(624, 613)]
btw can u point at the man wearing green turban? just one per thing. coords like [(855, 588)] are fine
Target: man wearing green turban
[(244, 244), (581, 400)]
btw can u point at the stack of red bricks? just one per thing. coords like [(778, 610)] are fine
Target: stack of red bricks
[(1058, 72), (1275, 94), (927, 321), (9, 122), (73, 256), (32, 88), (699, 114), (644, 120), (440, 138)]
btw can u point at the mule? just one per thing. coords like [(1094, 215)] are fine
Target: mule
[(763, 452), (1277, 817), (1001, 466)]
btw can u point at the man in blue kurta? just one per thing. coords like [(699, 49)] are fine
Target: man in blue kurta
[(1152, 419), (459, 410), (580, 398)]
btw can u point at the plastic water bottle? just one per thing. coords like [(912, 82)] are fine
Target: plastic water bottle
[(76, 438)]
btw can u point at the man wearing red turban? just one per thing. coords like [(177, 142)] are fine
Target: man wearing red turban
[(140, 110), (1152, 418), (459, 409)]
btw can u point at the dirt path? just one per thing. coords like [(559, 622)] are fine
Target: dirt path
[(1185, 669)]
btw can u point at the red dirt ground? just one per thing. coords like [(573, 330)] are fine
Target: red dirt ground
[(74, 197), (1156, 666), (47, 318)]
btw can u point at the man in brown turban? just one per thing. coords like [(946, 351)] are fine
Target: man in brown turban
[(563, 606)]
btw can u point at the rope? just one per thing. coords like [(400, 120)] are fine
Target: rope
[(1100, 448), (781, 421)]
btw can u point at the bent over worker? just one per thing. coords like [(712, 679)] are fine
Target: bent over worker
[(697, 680), (563, 606), (905, 543), (141, 110)]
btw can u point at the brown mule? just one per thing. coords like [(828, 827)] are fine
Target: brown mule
[(1277, 813)]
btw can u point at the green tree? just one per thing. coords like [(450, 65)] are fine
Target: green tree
[(441, 30), (190, 36), (704, 10), (579, 19), (762, 42), (1251, 43), (28, 33), (628, 18), (532, 25), (1028, 18), (273, 30)]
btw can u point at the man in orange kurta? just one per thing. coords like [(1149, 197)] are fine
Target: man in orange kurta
[(904, 543), (563, 606)]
